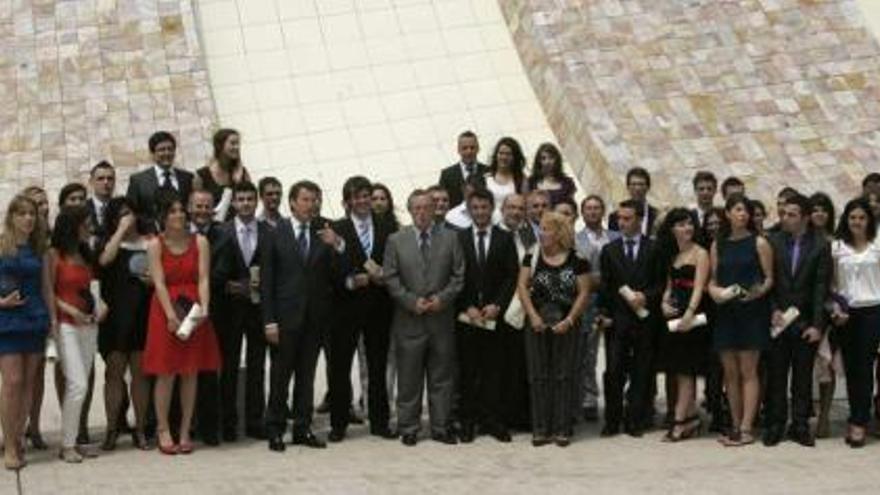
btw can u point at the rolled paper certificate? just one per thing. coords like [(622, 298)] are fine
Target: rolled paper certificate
[(732, 292), (51, 350), (698, 321), (373, 268), (189, 324), (223, 205), (95, 290), (255, 291), (485, 324), (788, 318), (629, 295)]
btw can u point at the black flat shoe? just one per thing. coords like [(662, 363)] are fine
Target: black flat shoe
[(385, 433), (610, 430), (409, 439), (276, 444), (501, 435), (445, 438), (36, 440), (308, 439), (83, 438), (336, 435), (541, 440), (466, 434), (109, 442)]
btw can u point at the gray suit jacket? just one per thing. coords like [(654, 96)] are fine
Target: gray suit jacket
[(143, 186), (408, 278)]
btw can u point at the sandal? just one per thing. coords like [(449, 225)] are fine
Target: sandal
[(70, 455)]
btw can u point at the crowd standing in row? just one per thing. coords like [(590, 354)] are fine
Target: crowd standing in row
[(489, 300)]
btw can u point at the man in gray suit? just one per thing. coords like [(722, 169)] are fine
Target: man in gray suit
[(144, 185), (424, 272)]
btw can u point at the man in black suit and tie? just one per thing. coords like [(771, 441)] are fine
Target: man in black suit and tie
[(489, 282), (705, 186), (301, 265), (142, 186), (235, 279), (629, 261), (452, 178), (365, 309), (802, 273), (102, 180), (638, 183)]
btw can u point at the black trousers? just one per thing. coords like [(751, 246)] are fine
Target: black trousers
[(480, 364), (245, 322), (629, 359), (295, 355), (515, 380), (790, 352), (374, 323), (207, 413), (858, 344), (716, 400)]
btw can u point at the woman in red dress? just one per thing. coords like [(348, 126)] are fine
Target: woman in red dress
[(179, 264)]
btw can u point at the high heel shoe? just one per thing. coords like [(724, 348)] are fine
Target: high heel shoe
[(684, 433), (173, 449), (139, 440), (110, 440), (185, 448), (36, 440)]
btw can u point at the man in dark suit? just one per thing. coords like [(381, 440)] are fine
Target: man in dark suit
[(235, 278), (102, 180), (452, 178), (629, 261), (301, 264), (142, 186), (802, 272), (366, 309), (705, 187), (491, 269), (638, 183)]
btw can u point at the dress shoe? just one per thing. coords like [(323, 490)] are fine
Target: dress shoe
[(384, 432), (591, 414), (541, 440), (256, 432), (210, 439), (802, 436), (309, 440), (772, 436), (634, 430), (230, 435), (37, 441), (610, 430), (447, 438), (336, 435), (353, 417), (501, 434), (83, 438), (276, 444), (409, 439), (466, 433), (110, 440)]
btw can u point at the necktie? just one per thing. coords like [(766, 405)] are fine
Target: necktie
[(166, 179), (365, 237), (247, 245), (795, 254), (631, 250), (481, 248), (303, 240), (424, 245), (470, 170)]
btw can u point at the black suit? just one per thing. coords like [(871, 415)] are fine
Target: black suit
[(629, 344), (481, 352), (452, 179), (297, 295), (366, 311), (143, 186), (652, 217), (236, 316), (806, 289)]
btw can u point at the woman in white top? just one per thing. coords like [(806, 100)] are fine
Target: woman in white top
[(506, 171), (856, 285)]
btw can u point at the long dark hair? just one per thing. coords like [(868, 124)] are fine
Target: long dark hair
[(517, 166), (707, 236), (65, 235), (220, 138), (667, 245), (732, 201), (389, 216), (538, 171), (822, 200), (844, 233)]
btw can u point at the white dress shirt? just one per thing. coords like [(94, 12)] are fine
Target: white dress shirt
[(240, 232), (857, 274), (160, 175)]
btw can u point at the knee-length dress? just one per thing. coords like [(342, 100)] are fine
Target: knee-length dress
[(165, 354), (128, 299), (741, 326), (685, 353), (23, 329)]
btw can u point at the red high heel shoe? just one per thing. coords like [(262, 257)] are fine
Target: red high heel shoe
[(186, 448)]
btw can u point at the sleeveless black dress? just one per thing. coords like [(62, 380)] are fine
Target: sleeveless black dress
[(685, 353)]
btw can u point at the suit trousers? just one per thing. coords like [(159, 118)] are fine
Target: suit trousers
[(586, 385), (375, 328), (628, 354), (480, 364), (790, 352), (245, 325), (424, 353), (295, 355), (551, 375), (858, 343)]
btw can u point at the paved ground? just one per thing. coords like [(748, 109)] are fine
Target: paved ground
[(364, 464)]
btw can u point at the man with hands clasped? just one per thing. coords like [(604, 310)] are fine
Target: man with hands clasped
[(802, 266)]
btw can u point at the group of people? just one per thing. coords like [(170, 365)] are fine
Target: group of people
[(490, 300)]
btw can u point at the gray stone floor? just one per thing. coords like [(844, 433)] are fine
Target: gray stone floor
[(364, 464)]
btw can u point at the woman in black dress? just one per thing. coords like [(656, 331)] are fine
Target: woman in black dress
[(223, 171), (684, 345), (126, 288)]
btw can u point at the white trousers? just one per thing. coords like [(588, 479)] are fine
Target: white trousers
[(77, 346)]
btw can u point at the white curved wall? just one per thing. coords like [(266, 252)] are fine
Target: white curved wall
[(324, 89)]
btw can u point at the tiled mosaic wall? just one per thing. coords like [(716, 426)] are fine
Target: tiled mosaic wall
[(86, 80), (776, 91)]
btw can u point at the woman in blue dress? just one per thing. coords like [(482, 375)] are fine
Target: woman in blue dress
[(25, 285)]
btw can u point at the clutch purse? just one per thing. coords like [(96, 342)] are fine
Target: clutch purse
[(8, 285), (138, 266)]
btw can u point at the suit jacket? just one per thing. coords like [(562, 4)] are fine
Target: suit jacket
[(808, 287), (292, 287), (496, 283), (642, 275), (652, 217), (228, 264), (142, 188), (408, 277), (99, 229), (356, 257), (452, 179)]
